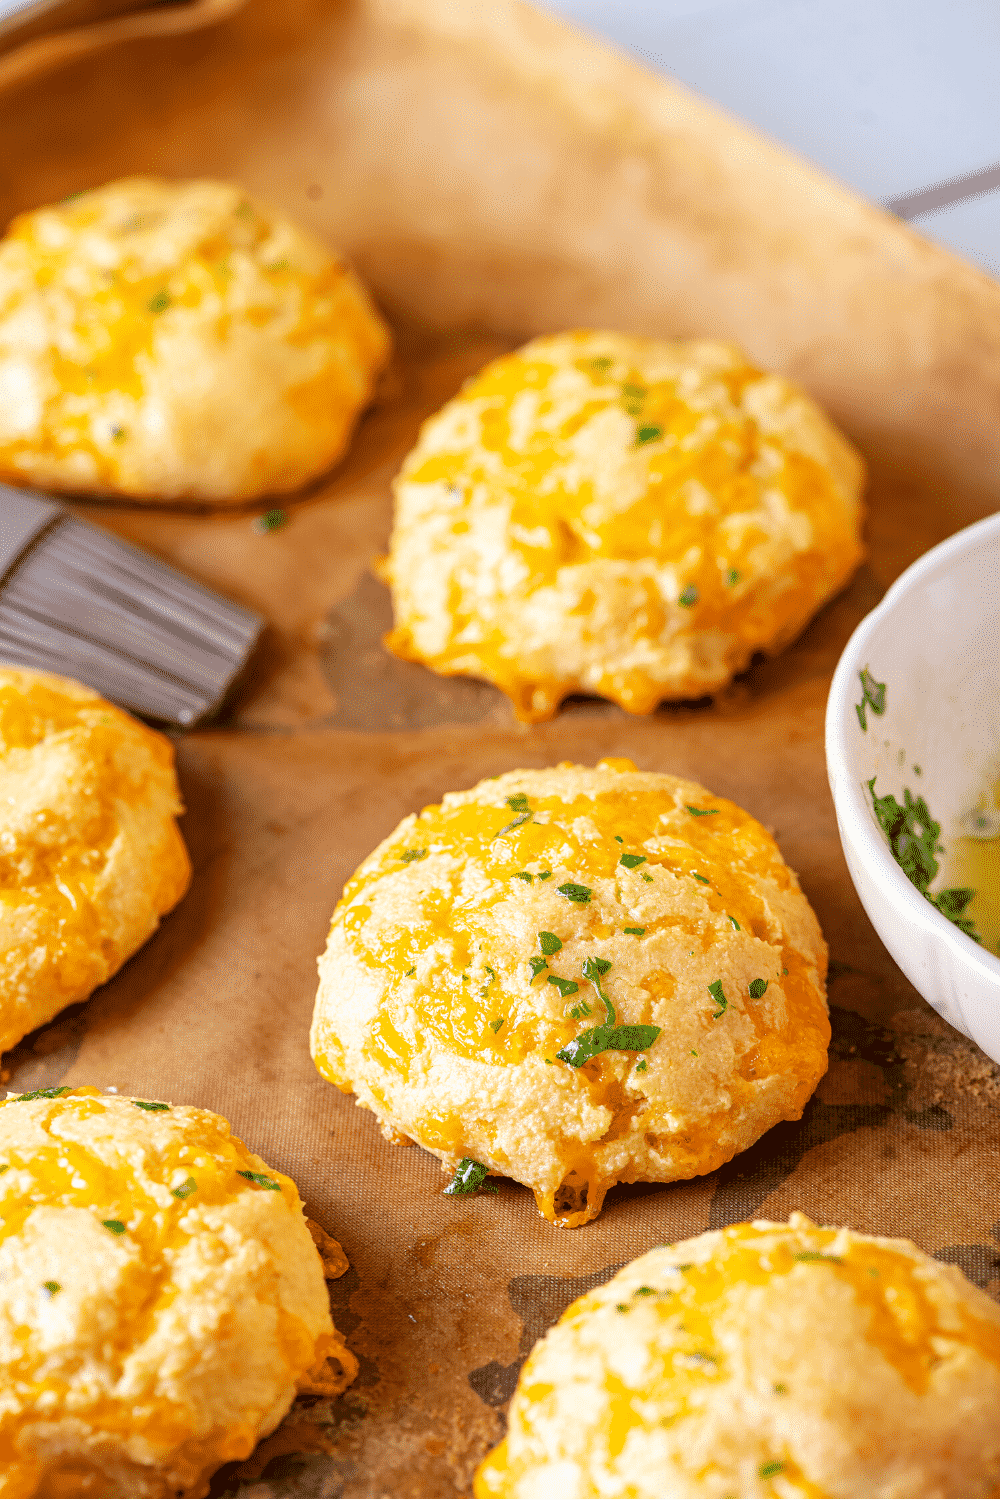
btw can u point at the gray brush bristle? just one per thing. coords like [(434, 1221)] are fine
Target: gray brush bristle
[(84, 604)]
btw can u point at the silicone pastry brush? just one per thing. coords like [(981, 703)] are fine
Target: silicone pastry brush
[(80, 602)]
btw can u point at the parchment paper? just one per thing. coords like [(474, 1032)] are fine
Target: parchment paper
[(495, 175)]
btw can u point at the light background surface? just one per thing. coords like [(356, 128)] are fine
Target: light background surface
[(891, 96)]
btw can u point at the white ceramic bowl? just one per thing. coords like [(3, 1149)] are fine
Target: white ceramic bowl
[(934, 641)]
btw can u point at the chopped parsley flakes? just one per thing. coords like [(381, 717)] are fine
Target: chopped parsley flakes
[(610, 1037), (522, 817), (518, 803), (564, 986), (549, 943), (913, 841), (523, 875), (774, 1467), (186, 1189), (410, 856), (537, 965), (271, 520), (635, 931), (733, 578), (581, 894), (688, 597), (160, 302), (872, 697), (41, 1094), (648, 434), (715, 990), (115, 1225), (703, 878), (495, 1025), (149, 1104), (262, 1181), (52, 1287), (469, 1177), (734, 922), (700, 812), (757, 988), (631, 861)]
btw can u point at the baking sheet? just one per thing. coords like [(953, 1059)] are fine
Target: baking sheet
[(495, 175)]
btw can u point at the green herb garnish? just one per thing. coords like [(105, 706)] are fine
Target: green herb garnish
[(619, 839), (5, 1167), (410, 856), (581, 894), (780, 1388), (271, 520), (715, 990), (262, 1181), (732, 578), (537, 965), (642, 1066), (523, 817), (545, 875), (700, 812), (52, 1287), (186, 1189), (564, 986), (644, 1291), (41, 1094), (838, 1260), (703, 878), (631, 861), (581, 1010), (913, 841), (115, 1225), (647, 435), (872, 697), (757, 988), (410, 972), (518, 803), (160, 302), (647, 878), (610, 1037), (735, 923), (469, 1178), (599, 365), (524, 875), (118, 434), (688, 597), (152, 1105), (774, 1467), (635, 931), (495, 1025), (549, 943)]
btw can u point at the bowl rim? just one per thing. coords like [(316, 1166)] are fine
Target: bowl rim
[(854, 818)]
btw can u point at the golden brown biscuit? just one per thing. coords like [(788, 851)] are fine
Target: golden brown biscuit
[(764, 1359), (619, 516), (177, 341), (161, 1299), (90, 854), (574, 978)]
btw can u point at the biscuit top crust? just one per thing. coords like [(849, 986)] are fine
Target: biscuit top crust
[(116, 307), (494, 930), (73, 768), (758, 1353), (131, 1234), (587, 460)]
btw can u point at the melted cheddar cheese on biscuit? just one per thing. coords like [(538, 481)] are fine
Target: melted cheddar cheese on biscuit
[(576, 977), (618, 516), (90, 853), (161, 1298), (763, 1360), (177, 341)]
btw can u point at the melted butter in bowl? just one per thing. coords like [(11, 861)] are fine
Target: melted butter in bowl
[(912, 730)]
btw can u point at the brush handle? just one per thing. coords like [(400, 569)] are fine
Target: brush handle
[(23, 518)]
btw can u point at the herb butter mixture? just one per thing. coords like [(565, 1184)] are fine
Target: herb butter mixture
[(764, 1359), (619, 516), (575, 977), (161, 1297)]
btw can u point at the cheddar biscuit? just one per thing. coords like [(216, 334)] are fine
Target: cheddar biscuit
[(618, 516), (90, 853), (161, 1299), (763, 1359), (574, 978), (177, 341)]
